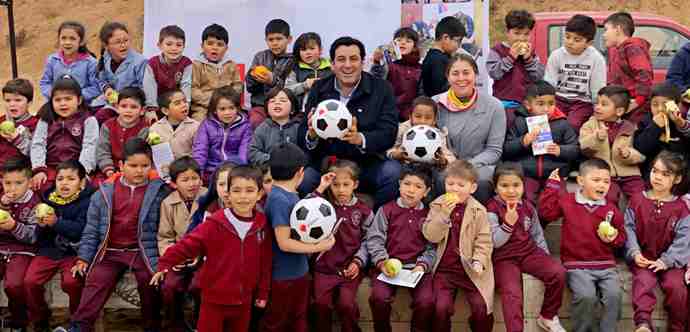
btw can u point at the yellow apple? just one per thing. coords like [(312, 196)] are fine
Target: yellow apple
[(393, 266), (154, 138), (4, 215), (7, 127), (606, 229), (112, 100), (43, 210)]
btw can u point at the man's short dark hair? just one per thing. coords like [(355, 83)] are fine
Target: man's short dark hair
[(17, 164), (593, 164), (622, 20), (286, 160), (619, 95), (582, 25), (667, 90), (134, 146), (216, 31), (173, 31), (519, 19), (72, 164), (181, 165), (451, 26), (278, 26), (540, 88), (347, 41), (19, 86), (246, 172), (407, 32)]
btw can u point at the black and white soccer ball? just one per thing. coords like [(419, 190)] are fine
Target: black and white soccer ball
[(312, 220), (331, 119), (421, 143)]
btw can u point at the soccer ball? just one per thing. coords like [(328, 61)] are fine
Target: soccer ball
[(421, 143), (312, 220), (332, 119)]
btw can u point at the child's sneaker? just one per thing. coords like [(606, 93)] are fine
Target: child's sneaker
[(644, 327), (551, 325)]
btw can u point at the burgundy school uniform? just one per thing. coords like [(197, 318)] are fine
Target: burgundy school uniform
[(404, 76), (118, 136), (229, 284), (402, 239), (581, 247), (353, 221), (654, 228), (450, 276), (16, 246), (168, 75), (524, 252), (126, 205), (513, 85), (630, 65)]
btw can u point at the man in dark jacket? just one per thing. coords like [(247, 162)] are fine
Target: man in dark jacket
[(679, 72), (371, 102)]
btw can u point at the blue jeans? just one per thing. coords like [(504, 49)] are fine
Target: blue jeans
[(379, 179)]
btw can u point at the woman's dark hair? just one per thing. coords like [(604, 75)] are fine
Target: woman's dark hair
[(63, 84), (211, 195), (294, 104), (676, 163), (464, 58), (104, 35), (81, 31), (508, 168), (303, 42), (74, 165)]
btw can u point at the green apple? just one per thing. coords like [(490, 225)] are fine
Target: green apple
[(112, 100), (606, 229), (7, 127), (43, 210), (4, 215), (154, 138), (393, 266)]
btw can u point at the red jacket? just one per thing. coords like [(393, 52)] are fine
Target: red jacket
[(581, 247), (235, 271), (630, 65), (404, 76)]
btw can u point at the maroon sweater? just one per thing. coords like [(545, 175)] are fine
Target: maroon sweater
[(124, 227), (22, 212), (353, 221), (65, 138), (397, 233), (520, 242), (119, 136), (655, 223), (581, 247), (630, 65), (404, 76), (451, 262), (168, 75), (513, 85)]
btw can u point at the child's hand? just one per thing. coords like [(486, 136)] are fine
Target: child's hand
[(352, 136), (687, 276), (530, 137), (79, 268), (440, 160), (624, 152), (5, 200), (326, 181), (553, 149), (660, 119), (377, 56), (38, 180), (657, 266), (260, 303), (325, 244), (608, 239), (477, 267), (310, 129), (8, 224), (527, 51), (641, 261), (309, 83), (515, 50), (399, 154), (447, 205), (158, 278), (352, 271), (150, 115), (555, 175), (603, 132), (10, 137), (418, 268), (48, 220), (511, 216)]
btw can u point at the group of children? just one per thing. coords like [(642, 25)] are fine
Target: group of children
[(88, 156)]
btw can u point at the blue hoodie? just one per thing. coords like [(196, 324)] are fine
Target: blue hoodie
[(83, 69), (679, 72)]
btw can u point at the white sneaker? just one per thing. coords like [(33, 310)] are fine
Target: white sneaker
[(643, 328), (551, 325)]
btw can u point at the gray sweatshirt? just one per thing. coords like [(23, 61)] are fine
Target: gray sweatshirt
[(269, 134), (476, 134), (576, 77)]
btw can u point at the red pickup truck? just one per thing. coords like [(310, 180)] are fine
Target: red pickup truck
[(665, 35)]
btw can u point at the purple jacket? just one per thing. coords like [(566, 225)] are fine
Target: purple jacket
[(215, 142)]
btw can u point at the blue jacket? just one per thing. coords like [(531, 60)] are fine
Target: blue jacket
[(679, 72), (62, 239), (94, 239), (83, 70), (129, 73)]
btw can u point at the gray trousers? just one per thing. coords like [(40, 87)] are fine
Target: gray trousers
[(589, 287)]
